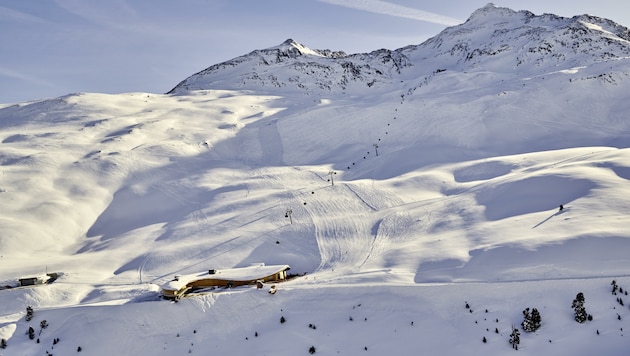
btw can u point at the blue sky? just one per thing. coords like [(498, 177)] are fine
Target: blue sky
[(55, 47)]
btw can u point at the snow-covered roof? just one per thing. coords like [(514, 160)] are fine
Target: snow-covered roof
[(39, 277), (249, 273)]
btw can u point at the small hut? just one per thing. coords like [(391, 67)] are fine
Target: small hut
[(31, 281)]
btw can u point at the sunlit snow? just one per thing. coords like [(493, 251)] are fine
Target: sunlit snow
[(396, 204)]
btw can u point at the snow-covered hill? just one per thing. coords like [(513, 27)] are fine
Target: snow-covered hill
[(399, 185)]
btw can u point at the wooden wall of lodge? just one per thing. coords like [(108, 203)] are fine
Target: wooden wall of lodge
[(214, 282)]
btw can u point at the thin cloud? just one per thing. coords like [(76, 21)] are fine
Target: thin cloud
[(386, 8), (8, 73), (113, 14), (12, 14)]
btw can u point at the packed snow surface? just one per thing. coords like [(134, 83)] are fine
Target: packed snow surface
[(415, 193)]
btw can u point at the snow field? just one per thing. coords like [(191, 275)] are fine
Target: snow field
[(120, 193)]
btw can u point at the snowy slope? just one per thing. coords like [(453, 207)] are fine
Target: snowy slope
[(399, 184)]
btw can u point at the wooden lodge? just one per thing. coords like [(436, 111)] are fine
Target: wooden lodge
[(224, 278)]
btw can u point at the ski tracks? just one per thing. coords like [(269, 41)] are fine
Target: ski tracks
[(346, 220)]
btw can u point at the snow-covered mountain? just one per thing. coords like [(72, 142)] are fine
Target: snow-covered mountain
[(494, 39), (509, 61), (414, 192), (503, 40), (292, 66)]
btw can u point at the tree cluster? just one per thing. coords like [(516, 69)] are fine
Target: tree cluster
[(531, 321), (615, 287)]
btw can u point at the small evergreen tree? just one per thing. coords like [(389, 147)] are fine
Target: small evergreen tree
[(614, 287), (515, 338), (311, 350), (526, 320), (3, 344), (43, 325), (536, 319), (579, 309), (29, 313), (31, 333)]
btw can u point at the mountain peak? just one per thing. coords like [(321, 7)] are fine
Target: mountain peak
[(491, 11), (295, 48), (295, 65), (503, 39)]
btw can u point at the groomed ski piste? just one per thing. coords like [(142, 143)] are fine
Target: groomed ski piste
[(432, 245)]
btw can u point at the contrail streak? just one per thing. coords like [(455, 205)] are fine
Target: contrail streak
[(385, 8)]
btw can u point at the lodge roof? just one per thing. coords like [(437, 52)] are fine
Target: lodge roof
[(242, 274)]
